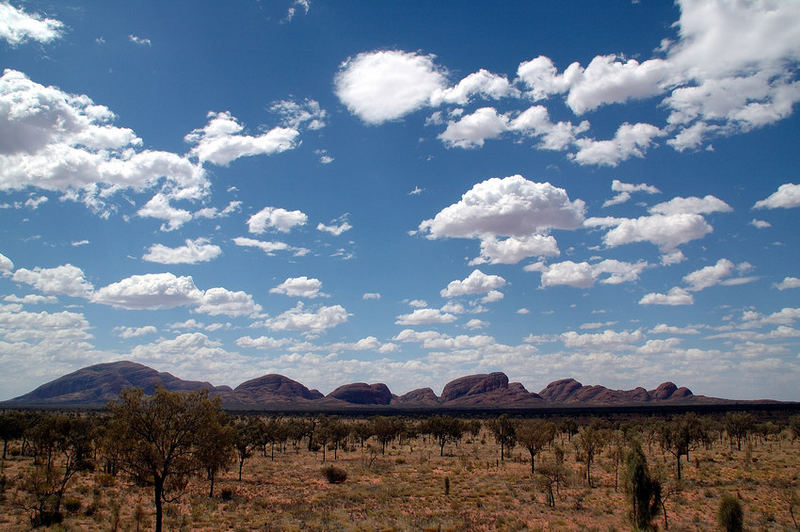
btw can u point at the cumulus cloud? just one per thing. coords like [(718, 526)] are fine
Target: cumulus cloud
[(370, 295), (150, 291), (513, 249), (222, 141), (300, 287), (476, 283), (472, 130), (66, 280), (482, 82), (159, 207), (133, 332), (184, 348), (693, 205), (511, 206), (64, 142), (386, 85), (30, 299), (216, 301), (262, 342), (6, 265), (630, 140), (760, 224), (475, 323), (425, 316), (17, 26), (275, 218), (786, 197), (269, 247), (675, 296), (301, 319), (213, 212), (709, 276), (584, 274), (665, 231), (604, 340), (192, 252), (788, 283), (619, 186)]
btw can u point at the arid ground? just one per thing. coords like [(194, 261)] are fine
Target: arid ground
[(407, 489)]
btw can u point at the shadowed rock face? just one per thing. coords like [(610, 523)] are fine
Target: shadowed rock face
[(361, 393), (270, 386), (473, 385), (572, 391), (103, 382), (424, 396)]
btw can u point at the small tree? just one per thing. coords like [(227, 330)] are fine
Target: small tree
[(159, 435), (444, 429), (503, 431), (738, 425), (215, 446), (534, 435), (590, 441), (386, 429), (644, 492), (245, 439), (12, 426), (730, 514)]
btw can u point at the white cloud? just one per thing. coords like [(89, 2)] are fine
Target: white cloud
[(141, 41), (492, 297), (523, 311), (160, 208), (692, 205), (513, 249), (64, 142), (79, 243), (760, 224), (6, 265), (336, 227), (416, 191), (194, 251), (307, 113), (786, 197), (541, 76), (675, 296), (665, 231), (221, 140), (472, 130), (300, 287), (663, 328), (370, 295), (425, 316), (476, 283), (31, 299), (132, 332), (262, 342), (418, 303), (584, 274), (535, 122), (788, 283), (511, 206), (216, 301), (67, 280), (213, 212), (150, 291), (709, 276), (17, 26), (630, 140), (276, 218), (269, 247), (482, 82), (622, 197), (386, 85), (475, 323), (316, 321), (33, 202), (604, 340), (191, 348)]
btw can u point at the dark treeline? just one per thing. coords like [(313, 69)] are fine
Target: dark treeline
[(162, 441)]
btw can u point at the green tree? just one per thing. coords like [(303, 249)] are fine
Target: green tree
[(444, 429), (503, 430), (589, 442), (159, 435), (245, 439), (738, 425), (215, 446), (386, 429), (678, 437), (643, 491), (12, 426), (534, 435)]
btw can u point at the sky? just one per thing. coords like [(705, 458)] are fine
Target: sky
[(403, 192)]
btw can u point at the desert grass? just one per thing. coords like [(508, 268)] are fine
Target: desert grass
[(412, 488)]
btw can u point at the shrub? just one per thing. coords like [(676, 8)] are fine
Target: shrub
[(730, 515), (72, 505), (226, 494), (334, 474)]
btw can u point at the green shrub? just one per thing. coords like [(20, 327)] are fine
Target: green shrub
[(730, 515), (334, 474), (226, 494)]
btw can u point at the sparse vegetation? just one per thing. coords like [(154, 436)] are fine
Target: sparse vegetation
[(414, 485)]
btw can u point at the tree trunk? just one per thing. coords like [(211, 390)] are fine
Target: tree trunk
[(211, 475), (241, 464), (158, 488), (502, 451), (533, 468), (679, 465)]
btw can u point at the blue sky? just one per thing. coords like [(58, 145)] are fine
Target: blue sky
[(403, 193)]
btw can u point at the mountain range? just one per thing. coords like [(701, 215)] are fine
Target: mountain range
[(96, 385)]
